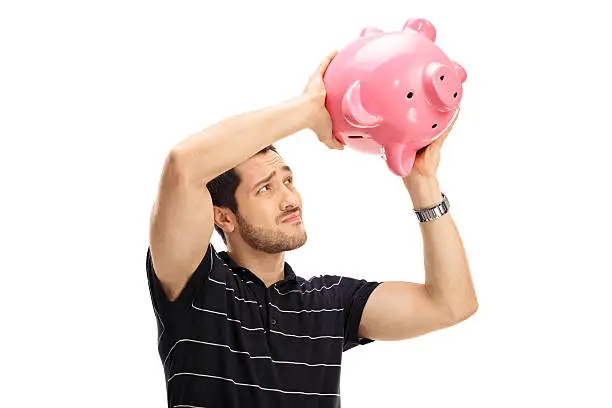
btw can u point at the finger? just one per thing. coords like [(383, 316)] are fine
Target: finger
[(457, 114), (330, 142), (449, 128), (454, 119), (325, 63), (438, 142)]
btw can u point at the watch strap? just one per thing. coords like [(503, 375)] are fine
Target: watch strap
[(435, 212)]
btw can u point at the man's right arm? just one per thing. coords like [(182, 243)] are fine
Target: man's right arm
[(182, 218)]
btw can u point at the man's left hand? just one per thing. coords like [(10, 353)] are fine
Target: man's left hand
[(427, 159)]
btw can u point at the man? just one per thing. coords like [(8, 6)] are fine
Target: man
[(239, 328)]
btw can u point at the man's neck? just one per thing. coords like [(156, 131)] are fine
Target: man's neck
[(270, 268)]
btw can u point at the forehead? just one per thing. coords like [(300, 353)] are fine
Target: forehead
[(258, 167)]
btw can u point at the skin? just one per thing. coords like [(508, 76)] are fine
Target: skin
[(256, 236), (183, 216)]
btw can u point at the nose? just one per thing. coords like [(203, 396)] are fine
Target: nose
[(290, 199), (443, 86)]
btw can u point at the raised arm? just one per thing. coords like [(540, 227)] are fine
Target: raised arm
[(182, 220), (401, 310)]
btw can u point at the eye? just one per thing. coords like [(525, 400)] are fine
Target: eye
[(290, 179), (410, 95), (259, 191)]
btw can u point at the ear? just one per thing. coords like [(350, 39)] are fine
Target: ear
[(421, 26), (368, 31), (400, 160), (224, 219), (460, 71), (354, 111)]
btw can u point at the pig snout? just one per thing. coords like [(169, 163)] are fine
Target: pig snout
[(443, 85)]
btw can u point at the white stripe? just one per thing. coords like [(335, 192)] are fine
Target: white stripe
[(246, 352), (245, 301), (216, 281), (187, 406), (244, 327), (208, 311), (306, 364), (225, 264), (221, 259), (226, 288), (254, 385), (261, 328), (302, 284), (306, 311), (162, 323), (212, 344), (226, 316), (310, 337), (239, 277), (309, 290), (158, 317), (155, 310)]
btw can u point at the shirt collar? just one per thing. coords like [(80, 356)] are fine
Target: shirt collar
[(289, 274)]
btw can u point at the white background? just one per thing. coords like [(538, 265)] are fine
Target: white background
[(93, 94)]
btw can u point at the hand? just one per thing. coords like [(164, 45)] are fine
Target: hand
[(428, 158), (321, 122)]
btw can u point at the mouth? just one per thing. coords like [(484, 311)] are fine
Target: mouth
[(291, 218)]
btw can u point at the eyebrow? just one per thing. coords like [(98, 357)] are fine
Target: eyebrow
[(267, 179)]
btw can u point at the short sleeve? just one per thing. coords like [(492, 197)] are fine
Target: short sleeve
[(163, 306), (354, 294)]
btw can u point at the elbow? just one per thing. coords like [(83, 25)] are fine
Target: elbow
[(179, 159), (181, 167), (175, 163), (463, 313)]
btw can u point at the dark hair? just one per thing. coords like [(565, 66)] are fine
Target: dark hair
[(223, 189)]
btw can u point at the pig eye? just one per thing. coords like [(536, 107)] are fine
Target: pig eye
[(435, 125), (409, 96), (442, 78)]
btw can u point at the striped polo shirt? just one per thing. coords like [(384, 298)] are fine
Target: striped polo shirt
[(228, 341)]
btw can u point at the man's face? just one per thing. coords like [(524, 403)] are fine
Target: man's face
[(269, 214)]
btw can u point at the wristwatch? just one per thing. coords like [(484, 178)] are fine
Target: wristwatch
[(435, 212)]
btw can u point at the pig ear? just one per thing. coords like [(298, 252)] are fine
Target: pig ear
[(422, 26), (400, 159), (370, 31), (460, 71), (354, 111)]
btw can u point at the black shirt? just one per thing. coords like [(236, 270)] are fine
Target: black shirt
[(228, 341)]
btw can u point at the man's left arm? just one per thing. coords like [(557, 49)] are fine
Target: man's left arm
[(399, 310)]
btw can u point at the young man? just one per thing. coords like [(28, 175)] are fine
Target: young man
[(239, 328)]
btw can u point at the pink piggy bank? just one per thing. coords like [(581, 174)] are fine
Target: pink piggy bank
[(392, 93)]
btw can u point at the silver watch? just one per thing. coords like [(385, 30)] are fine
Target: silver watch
[(435, 212)]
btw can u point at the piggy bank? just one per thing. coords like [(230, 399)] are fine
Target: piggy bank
[(392, 93)]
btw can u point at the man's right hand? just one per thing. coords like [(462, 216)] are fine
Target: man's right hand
[(322, 123), (182, 219)]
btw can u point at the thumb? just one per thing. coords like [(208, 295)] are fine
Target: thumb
[(325, 63)]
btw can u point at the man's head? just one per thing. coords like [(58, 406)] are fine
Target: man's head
[(252, 200)]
